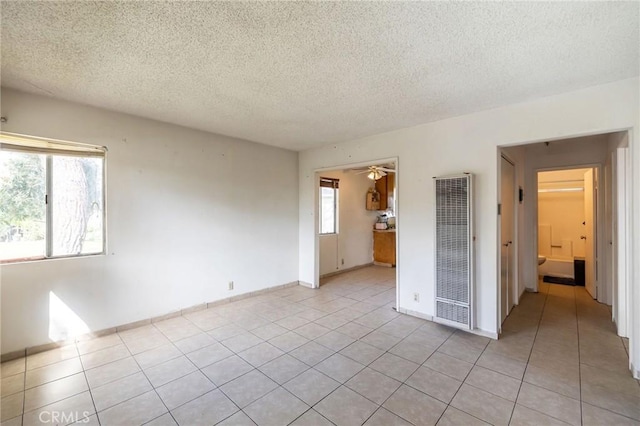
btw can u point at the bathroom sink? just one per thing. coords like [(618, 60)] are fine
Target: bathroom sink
[(541, 260)]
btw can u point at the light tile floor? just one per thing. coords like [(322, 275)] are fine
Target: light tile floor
[(337, 355)]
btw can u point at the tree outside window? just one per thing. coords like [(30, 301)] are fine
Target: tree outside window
[(51, 204)]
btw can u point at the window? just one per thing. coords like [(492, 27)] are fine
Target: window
[(51, 199), (328, 206)]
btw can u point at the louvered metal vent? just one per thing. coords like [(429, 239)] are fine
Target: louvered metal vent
[(454, 251)]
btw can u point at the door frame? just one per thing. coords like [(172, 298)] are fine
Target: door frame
[(316, 254), (599, 225), (591, 271), (621, 293), (626, 292), (512, 288)]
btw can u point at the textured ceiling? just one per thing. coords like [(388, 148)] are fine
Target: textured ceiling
[(298, 74)]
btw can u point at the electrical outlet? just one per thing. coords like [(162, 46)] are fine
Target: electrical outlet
[(230, 285), (416, 297)]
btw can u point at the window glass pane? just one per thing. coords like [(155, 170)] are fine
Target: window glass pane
[(22, 205), (328, 210), (77, 205)]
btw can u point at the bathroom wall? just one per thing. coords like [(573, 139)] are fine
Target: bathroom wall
[(561, 214), (578, 152)]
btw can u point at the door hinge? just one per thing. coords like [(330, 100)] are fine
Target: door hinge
[(499, 209)]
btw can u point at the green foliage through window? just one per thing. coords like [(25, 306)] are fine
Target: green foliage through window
[(72, 211)]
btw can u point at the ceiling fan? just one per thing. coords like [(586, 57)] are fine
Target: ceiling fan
[(375, 172)]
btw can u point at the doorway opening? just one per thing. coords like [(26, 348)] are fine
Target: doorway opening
[(568, 227), (357, 227), (547, 190)]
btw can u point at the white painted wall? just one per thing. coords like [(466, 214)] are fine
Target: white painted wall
[(467, 143), (187, 211), (354, 241), (328, 253)]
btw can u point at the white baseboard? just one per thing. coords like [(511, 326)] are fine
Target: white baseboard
[(420, 315), (342, 271), (94, 334), (415, 314)]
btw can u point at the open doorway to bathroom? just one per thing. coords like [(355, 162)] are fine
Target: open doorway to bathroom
[(570, 202), (558, 168), (568, 227)]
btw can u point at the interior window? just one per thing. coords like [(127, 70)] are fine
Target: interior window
[(328, 205)]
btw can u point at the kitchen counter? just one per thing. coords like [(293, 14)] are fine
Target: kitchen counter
[(385, 230)]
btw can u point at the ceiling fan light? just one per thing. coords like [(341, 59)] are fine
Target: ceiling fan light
[(375, 175)]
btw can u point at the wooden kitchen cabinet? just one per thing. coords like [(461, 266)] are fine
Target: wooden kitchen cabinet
[(384, 247), (386, 186), (373, 200)]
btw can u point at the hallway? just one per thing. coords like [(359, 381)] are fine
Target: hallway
[(572, 353)]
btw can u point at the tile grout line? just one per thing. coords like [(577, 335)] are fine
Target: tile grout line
[(463, 383), (575, 301), (365, 366), (84, 373), (404, 382), (579, 364), (147, 377), (310, 409), (288, 353), (544, 304), (46, 383), (24, 392), (200, 369), (182, 354), (563, 395), (123, 342), (218, 388)]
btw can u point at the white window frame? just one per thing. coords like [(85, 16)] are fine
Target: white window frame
[(51, 147), (334, 184)]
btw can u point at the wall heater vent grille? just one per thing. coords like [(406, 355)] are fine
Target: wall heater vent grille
[(452, 312), (454, 251)]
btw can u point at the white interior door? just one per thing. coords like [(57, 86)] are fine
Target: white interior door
[(590, 195), (507, 232)]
